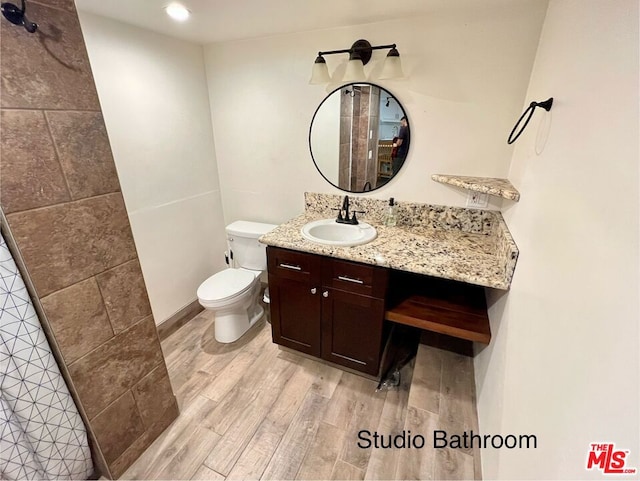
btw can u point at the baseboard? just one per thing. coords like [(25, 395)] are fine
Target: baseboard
[(184, 315), (179, 319)]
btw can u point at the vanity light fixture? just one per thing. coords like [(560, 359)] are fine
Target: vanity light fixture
[(177, 11), (392, 67), (359, 56), (355, 68)]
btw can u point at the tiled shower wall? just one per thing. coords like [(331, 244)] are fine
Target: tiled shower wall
[(359, 136), (358, 114), (371, 169), (365, 119), (60, 192), (346, 121)]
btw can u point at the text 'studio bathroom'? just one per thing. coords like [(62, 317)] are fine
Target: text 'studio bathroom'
[(319, 240)]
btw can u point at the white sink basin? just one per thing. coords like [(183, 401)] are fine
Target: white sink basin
[(329, 232)]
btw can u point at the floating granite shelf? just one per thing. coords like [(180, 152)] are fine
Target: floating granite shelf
[(486, 185)]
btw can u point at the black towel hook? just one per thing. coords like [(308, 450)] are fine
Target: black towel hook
[(532, 106), (17, 15)]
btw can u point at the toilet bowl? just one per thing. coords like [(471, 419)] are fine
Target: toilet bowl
[(233, 293)]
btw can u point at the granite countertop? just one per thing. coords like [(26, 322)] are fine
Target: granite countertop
[(488, 185), (485, 259)]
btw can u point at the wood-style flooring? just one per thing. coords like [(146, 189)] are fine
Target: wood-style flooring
[(250, 410)]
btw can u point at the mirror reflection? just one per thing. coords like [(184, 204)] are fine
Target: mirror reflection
[(359, 137)]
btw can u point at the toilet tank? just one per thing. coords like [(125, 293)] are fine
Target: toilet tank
[(242, 237)]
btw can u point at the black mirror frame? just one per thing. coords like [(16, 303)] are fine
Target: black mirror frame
[(311, 127)]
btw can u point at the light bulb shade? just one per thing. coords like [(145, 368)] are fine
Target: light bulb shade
[(392, 67), (319, 72), (354, 71)]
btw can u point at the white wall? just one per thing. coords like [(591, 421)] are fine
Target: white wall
[(564, 363), (467, 76), (325, 137), (154, 98)]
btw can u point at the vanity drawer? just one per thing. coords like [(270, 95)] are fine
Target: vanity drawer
[(354, 277), (294, 265)]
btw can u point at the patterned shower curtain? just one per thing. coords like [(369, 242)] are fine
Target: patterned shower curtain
[(41, 433)]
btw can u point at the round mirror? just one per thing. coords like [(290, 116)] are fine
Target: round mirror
[(359, 137)]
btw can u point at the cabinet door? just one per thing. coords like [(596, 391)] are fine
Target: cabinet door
[(352, 329), (295, 314)]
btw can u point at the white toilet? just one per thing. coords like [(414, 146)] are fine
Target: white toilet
[(233, 293)]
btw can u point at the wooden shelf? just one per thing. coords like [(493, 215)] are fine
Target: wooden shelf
[(464, 319), (487, 185)]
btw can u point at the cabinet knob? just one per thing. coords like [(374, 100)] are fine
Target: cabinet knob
[(325, 294), (313, 290)]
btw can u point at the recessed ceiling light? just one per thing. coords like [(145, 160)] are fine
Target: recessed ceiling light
[(177, 12)]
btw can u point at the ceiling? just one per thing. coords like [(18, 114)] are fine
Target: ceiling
[(218, 21)]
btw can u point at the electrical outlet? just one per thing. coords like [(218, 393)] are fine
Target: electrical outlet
[(477, 200)]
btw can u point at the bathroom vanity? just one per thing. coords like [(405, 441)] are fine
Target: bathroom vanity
[(328, 308), (430, 271)]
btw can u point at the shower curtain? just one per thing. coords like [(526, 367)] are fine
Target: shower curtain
[(41, 433)]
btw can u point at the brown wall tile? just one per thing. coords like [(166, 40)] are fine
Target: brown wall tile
[(344, 162), (113, 368), (115, 437), (63, 4), (31, 175), (356, 103), (364, 102), (78, 319), (84, 152), (133, 452), (48, 69), (346, 104), (125, 295), (67, 243), (154, 396), (345, 130), (49, 161)]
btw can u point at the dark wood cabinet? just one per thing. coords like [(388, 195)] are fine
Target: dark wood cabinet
[(294, 287), (295, 315), (352, 330), (328, 308)]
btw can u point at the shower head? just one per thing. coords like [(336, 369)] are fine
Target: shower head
[(17, 16)]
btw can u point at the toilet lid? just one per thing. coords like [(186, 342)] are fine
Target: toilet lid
[(225, 284)]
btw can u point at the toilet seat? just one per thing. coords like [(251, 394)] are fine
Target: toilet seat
[(226, 285)]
